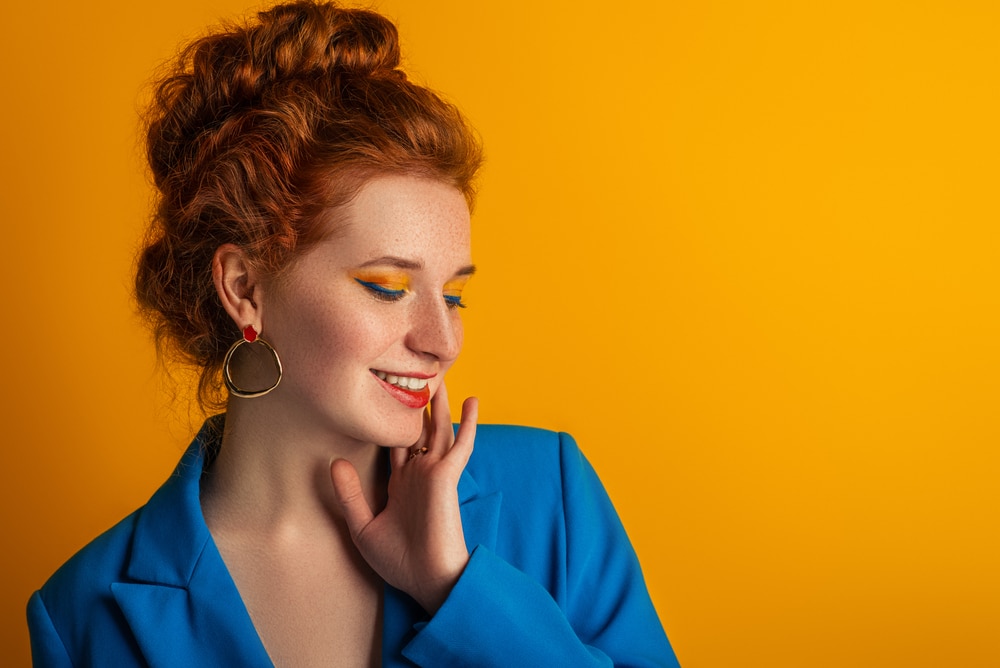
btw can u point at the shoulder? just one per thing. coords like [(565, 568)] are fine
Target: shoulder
[(494, 439), (89, 572), (545, 480), (508, 454), (542, 475), (76, 605)]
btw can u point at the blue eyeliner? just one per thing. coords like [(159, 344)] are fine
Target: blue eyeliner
[(381, 289), (454, 300)]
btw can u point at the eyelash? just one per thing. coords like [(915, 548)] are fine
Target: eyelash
[(381, 292), (385, 294), (454, 301)]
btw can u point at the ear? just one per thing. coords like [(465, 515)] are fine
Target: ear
[(237, 285)]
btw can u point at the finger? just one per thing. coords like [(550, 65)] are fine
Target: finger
[(398, 456), (441, 420), (465, 440), (427, 434), (347, 487)]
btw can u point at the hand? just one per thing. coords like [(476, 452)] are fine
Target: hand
[(416, 543)]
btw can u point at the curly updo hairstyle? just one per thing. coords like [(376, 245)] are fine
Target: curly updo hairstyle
[(255, 131)]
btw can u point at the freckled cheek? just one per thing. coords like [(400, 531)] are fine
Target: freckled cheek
[(356, 338), (374, 332), (320, 340)]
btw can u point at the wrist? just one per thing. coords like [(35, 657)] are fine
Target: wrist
[(435, 591)]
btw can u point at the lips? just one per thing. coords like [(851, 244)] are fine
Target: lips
[(410, 391)]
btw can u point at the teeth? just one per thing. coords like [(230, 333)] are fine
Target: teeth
[(404, 382)]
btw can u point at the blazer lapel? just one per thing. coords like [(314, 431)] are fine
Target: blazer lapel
[(179, 600), (205, 624), (480, 513)]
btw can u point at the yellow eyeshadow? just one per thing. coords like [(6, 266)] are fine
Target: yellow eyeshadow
[(393, 280), (454, 287)]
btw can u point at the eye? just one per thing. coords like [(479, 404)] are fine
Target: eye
[(454, 301), (382, 292)]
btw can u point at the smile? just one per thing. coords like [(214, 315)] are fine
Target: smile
[(407, 390), (404, 382)]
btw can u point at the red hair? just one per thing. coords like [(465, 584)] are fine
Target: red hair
[(254, 132)]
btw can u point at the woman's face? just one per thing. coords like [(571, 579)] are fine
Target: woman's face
[(367, 322)]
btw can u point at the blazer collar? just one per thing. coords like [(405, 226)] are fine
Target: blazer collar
[(179, 598), (183, 606)]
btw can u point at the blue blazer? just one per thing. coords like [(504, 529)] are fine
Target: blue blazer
[(552, 579)]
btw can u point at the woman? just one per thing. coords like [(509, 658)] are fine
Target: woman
[(309, 253)]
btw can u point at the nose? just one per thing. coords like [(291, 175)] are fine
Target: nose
[(435, 329)]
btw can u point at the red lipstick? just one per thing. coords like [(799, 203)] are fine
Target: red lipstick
[(409, 398)]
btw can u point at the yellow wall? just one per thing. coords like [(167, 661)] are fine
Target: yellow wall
[(747, 252)]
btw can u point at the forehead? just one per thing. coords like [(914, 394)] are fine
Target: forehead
[(406, 216)]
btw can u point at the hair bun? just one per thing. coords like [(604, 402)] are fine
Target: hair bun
[(248, 68), (309, 39)]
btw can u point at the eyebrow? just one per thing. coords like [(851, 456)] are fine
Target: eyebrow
[(412, 265)]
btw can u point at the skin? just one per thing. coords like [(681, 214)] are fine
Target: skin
[(298, 499)]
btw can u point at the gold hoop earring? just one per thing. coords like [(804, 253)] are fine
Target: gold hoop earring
[(250, 335)]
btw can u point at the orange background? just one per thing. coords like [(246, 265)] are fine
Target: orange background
[(746, 252)]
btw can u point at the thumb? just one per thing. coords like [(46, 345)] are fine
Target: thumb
[(347, 487)]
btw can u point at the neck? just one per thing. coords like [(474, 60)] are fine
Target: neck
[(272, 473)]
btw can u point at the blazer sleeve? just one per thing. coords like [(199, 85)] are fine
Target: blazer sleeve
[(47, 648), (498, 616)]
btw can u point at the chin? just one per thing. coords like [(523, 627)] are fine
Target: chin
[(397, 435)]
